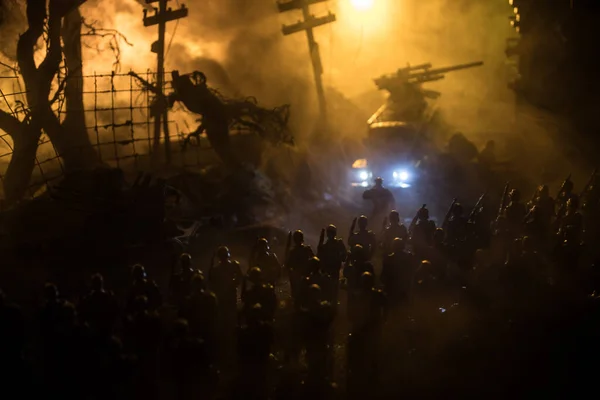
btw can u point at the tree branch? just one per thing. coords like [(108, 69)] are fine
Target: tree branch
[(10, 124), (73, 89), (49, 66), (13, 69), (115, 37), (60, 88), (36, 14)]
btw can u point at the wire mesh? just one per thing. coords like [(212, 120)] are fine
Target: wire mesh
[(119, 124)]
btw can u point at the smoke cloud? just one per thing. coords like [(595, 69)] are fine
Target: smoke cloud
[(240, 47), (244, 39)]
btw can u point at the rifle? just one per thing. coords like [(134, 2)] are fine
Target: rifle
[(504, 200), (447, 216), (288, 245), (528, 215), (321, 238), (590, 182), (477, 207), (352, 227), (414, 220), (563, 202), (534, 196), (562, 187)]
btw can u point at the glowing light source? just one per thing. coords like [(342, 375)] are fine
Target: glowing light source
[(362, 5), (402, 176), (363, 175), (361, 163)]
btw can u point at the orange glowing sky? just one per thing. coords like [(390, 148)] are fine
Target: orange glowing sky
[(369, 38)]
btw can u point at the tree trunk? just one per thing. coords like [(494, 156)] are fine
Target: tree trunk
[(72, 141), (21, 165)]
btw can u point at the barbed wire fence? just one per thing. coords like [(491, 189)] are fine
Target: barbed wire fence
[(118, 120)]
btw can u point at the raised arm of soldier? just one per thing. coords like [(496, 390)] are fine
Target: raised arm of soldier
[(351, 233)]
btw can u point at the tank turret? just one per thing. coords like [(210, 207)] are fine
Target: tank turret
[(407, 100)]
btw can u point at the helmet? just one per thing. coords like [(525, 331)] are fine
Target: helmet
[(438, 235), (363, 221), (97, 282), (139, 272), (423, 271), (394, 217), (262, 244), (357, 253), (314, 264), (298, 237), (423, 213), (398, 245), (198, 283), (367, 280), (186, 261), (254, 275), (223, 253), (254, 313), (568, 186), (331, 231), (379, 181), (314, 292), (457, 209), (50, 292), (69, 313), (181, 327)]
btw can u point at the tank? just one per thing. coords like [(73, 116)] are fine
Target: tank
[(407, 101), (395, 144)]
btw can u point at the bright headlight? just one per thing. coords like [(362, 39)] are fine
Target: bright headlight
[(363, 175), (402, 176)]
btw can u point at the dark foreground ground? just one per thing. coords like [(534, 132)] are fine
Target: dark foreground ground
[(543, 343)]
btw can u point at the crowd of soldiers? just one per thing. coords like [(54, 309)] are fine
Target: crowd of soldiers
[(223, 321)]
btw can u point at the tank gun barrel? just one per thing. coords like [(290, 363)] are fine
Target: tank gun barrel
[(439, 71), (419, 74), (411, 68)]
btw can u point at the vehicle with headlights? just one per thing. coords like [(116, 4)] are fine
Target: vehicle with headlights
[(393, 152), (397, 141)]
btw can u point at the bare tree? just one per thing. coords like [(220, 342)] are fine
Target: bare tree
[(62, 20)]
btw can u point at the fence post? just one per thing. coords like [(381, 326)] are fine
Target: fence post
[(161, 17)]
